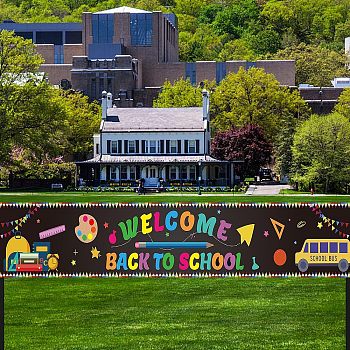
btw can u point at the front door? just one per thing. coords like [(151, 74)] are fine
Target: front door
[(151, 176)]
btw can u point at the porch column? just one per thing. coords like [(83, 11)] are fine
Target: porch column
[(232, 177)]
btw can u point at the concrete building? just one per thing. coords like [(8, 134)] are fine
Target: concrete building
[(136, 143), (129, 52)]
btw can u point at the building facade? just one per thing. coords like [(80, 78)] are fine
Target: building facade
[(154, 144), (129, 52)]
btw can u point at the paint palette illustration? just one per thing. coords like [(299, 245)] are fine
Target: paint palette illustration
[(87, 229)]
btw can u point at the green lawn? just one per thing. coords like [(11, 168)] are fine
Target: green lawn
[(171, 313), (159, 198)]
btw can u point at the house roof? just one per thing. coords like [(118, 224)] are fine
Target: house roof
[(154, 119), (106, 158), (122, 9)]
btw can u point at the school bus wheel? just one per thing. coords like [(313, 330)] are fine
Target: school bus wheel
[(303, 265), (343, 265)]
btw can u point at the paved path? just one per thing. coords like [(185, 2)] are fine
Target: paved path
[(265, 190)]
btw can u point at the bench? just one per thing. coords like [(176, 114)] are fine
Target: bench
[(57, 187)]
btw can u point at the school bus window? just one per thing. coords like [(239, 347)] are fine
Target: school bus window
[(306, 248), (313, 247), (323, 247), (343, 247), (333, 247)]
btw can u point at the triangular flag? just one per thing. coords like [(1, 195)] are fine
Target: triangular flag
[(333, 221), (246, 233), (333, 228), (279, 228), (346, 224), (2, 224)]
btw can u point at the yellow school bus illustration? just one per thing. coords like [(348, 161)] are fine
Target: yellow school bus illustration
[(324, 252)]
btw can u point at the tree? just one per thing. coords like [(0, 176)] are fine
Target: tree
[(82, 120), (236, 18), (180, 94), (40, 119), (237, 49), (247, 143), (18, 57), (343, 105), (314, 64), (321, 152), (255, 97)]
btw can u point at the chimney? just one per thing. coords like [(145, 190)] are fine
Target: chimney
[(109, 100), (104, 105), (205, 95)]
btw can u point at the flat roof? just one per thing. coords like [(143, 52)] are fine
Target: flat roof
[(49, 27)]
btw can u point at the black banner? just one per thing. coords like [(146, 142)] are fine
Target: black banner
[(174, 239)]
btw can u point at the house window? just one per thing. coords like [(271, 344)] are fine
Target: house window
[(173, 146), (97, 148), (113, 172), (153, 146), (132, 147), (114, 147), (192, 146), (192, 172), (132, 172), (124, 172), (173, 174)]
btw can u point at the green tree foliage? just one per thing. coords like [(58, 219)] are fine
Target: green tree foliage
[(343, 105), (180, 94), (321, 152), (35, 116), (255, 97), (82, 120), (314, 64)]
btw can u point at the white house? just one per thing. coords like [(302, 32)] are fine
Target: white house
[(172, 144)]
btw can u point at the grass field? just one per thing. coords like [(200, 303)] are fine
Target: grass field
[(160, 198), (175, 314)]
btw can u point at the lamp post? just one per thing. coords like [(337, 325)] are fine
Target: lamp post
[(199, 177)]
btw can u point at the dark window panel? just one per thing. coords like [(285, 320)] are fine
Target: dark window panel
[(25, 35), (73, 37), (55, 38)]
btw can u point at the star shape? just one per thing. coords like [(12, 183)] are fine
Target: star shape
[(266, 234), (319, 225), (105, 225), (73, 262), (219, 211), (38, 221), (75, 252), (95, 253)]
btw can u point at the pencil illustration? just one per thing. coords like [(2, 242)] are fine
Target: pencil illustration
[(170, 245)]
